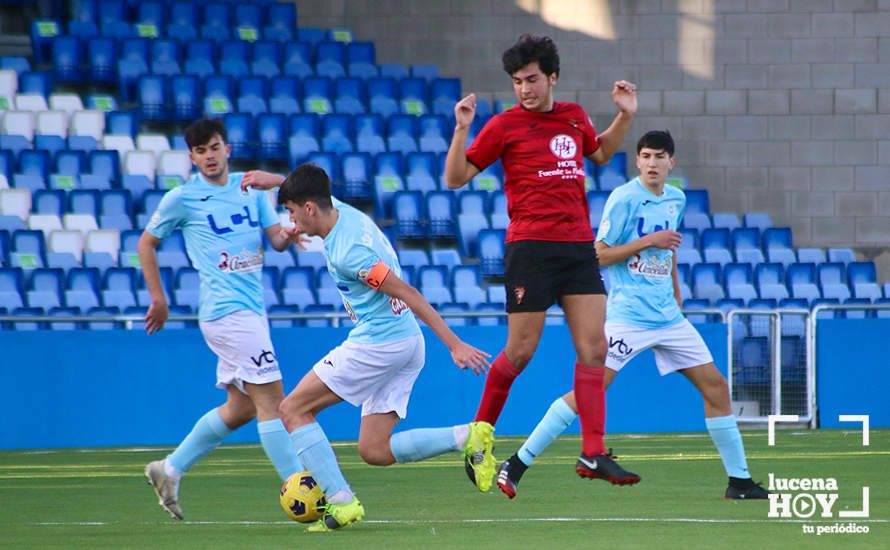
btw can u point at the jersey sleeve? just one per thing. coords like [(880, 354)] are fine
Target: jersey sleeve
[(363, 264), (615, 218), (268, 216), (169, 215), (591, 138), (488, 146)]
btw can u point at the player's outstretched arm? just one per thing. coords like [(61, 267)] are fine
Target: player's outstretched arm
[(608, 255), (282, 237), (259, 179), (464, 355), (459, 170), (148, 259), (624, 94)]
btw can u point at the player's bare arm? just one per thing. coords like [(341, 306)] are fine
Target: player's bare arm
[(282, 237), (259, 179), (464, 355), (148, 258), (665, 239), (675, 277), (459, 170), (624, 95)]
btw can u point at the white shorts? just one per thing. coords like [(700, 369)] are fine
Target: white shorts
[(676, 348), (241, 342), (379, 377)]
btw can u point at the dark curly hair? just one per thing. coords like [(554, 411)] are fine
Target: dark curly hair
[(529, 49)]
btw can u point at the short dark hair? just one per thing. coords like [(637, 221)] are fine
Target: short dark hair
[(528, 49), (307, 182), (201, 131), (660, 140)]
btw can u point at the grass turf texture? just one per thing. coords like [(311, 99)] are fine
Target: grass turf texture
[(98, 498)]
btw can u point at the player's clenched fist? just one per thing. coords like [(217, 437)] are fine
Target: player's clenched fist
[(465, 111)]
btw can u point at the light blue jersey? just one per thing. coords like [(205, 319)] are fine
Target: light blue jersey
[(642, 289), (359, 256), (223, 231)]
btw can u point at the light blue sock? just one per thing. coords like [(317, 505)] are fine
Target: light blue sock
[(317, 456), (278, 447), (414, 445), (207, 434), (557, 419), (725, 433)]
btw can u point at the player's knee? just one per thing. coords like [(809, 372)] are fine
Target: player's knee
[(593, 354), (520, 355), (375, 453), (292, 413)]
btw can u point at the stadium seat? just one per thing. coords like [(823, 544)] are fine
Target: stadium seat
[(47, 201), (266, 59), (317, 96), (811, 255), (82, 288), (185, 291), (200, 59), (296, 287), (240, 134), (801, 279), (281, 21), (298, 60), (387, 180), (491, 251), (738, 281), (66, 59), (466, 281), (844, 255), (45, 288), (715, 246), (614, 174), (284, 95), (52, 123), (84, 201), (746, 238), (596, 201), (726, 220), (361, 60), (770, 281), (413, 96), (216, 22), (164, 57), (760, 220), (330, 59), (440, 207), (11, 288), (706, 282), (43, 34), (409, 214), (414, 258), (349, 96), (119, 288), (369, 134), (336, 133), (19, 123), (862, 278), (382, 96), (444, 93), (434, 136)]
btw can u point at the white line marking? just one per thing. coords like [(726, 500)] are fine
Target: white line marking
[(857, 418)]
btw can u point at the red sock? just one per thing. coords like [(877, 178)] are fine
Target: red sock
[(497, 387), (591, 400)]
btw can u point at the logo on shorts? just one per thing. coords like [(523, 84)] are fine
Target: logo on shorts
[(619, 350), (265, 357), (328, 362), (563, 146), (519, 292)]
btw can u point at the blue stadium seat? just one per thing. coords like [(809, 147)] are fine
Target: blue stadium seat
[(770, 281), (272, 132), (185, 92), (43, 34), (801, 279), (151, 13), (466, 284), (413, 97), (165, 57), (861, 277), (387, 180), (132, 63), (51, 143), (44, 288), (105, 164), (856, 313), (382, 96), (614, 173), (696, 220), (431, 277), (317, 96), (745, 238), (14, 144), (302, 137), (233, 59), (444, 93), (200, 59), (63, 312), (45, 201), (762, 303), (441, 210), (281, 21), (315, 260), (270, 286), (239, 127), (754, 362), (248, 16), (336, 133), (491, 251), (252, 95), (369, 134), (219, 93), (447, 257), (35, 82), (760, 220), (697, 201), (183, 21), (726, 220), (420, 175), (101, 55), (34, 162), (279, 260), (298, 60), (266, 59), (596, 201), (82, 288), (434, 135), (297, 286), (473, 202), (27, 312), (361, 60), (393, 70), (66, 59), (151, 93), (121, 123), (738, 280), (776, 237), (326, 290), (185, 291), (811, 255), (285, 95), (349, 96), (283, 309), (119, 287), (409, 214), (84, 201), (330, 59), (831, 277), (706, 282), (357, 176), (142, 295), (216, 22), (844, 255), (319, 309)]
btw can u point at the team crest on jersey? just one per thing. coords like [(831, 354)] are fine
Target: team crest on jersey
[(650, 267), (672, 209), (563, 146), (519, 292), (244, 262)]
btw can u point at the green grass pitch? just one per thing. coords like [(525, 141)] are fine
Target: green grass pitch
[(98, 498)]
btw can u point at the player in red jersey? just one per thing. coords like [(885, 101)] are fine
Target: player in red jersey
[(549, 255)]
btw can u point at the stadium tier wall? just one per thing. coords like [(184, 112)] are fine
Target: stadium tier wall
[(114, 388), (778, 105)]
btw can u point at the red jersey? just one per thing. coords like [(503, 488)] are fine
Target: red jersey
[(543, 158)]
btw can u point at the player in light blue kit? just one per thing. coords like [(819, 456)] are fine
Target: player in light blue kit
[(637, 239), (223, 228), (378, 363)]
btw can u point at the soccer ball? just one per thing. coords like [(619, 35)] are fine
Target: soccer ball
[(301, 498)]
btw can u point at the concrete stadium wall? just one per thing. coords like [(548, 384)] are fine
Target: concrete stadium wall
[(780, 106)]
